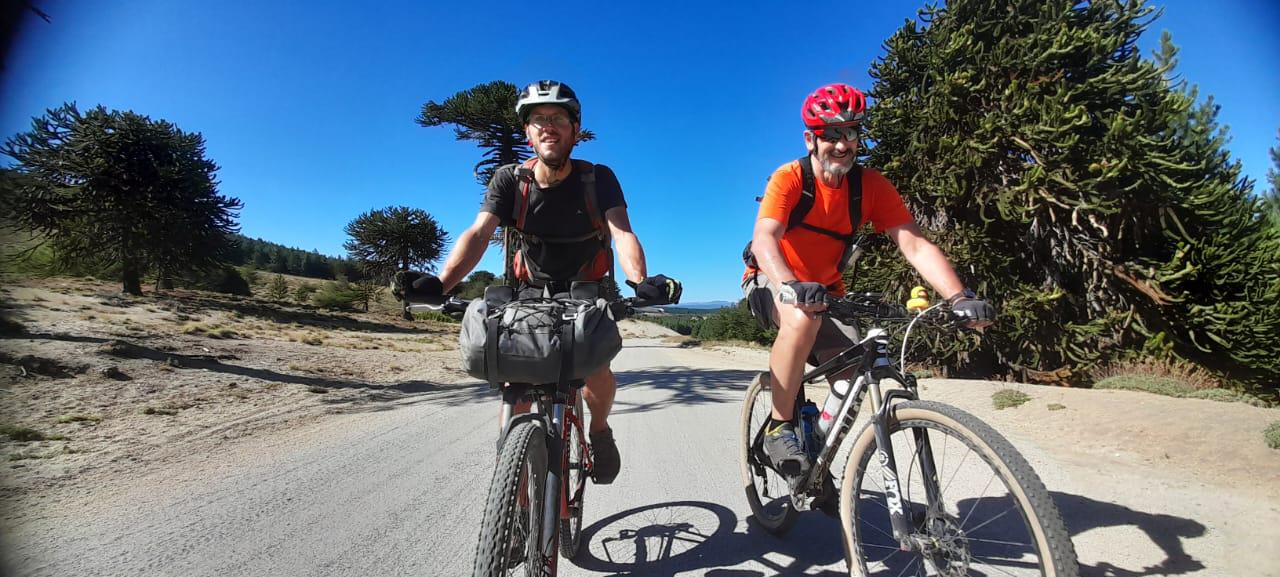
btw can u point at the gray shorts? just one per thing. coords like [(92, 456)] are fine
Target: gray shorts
[(833, 335)]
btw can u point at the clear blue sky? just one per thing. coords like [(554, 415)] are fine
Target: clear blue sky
[(309, 107)]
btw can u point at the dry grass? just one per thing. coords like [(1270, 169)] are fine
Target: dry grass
[(1188, 376)]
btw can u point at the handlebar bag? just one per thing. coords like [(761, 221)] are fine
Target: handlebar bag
[(537, 341)]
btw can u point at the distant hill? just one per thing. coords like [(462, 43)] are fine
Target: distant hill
[(272, 257), (707, 305)]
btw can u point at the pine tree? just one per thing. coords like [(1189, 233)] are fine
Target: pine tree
[(119, 188), (1077, 185)]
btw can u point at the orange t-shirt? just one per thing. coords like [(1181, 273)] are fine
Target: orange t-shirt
[(812, 256)]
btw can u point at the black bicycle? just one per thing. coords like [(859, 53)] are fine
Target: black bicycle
[(533, 508), (927, 489)]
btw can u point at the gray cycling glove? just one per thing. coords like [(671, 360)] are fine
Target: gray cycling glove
[(802, 293)]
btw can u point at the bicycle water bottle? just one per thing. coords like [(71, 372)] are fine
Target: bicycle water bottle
[(808, 420), (831, 408)]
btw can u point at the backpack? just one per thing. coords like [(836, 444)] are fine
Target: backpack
[(805, 204), (519, 268)]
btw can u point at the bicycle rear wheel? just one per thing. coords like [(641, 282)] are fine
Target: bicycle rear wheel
[(767, 491), (511, 533), (994, 516), (575, 475)]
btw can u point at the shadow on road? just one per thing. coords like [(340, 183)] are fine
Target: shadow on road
[(685, 387), (1165, 531), (700, 538)]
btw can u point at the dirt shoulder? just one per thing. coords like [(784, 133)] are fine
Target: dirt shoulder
[(118, 385)]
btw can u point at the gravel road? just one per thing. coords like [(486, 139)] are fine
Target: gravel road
[(398, 489)]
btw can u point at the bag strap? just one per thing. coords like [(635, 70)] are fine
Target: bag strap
[(566, 352), (491, 345), (808, 188), (807, 196)]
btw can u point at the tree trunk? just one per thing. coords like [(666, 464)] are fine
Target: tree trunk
[(131, 277)]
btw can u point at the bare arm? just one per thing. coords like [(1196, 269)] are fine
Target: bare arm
[(630, 253), (927, 259), (764, 245), (468, 250)]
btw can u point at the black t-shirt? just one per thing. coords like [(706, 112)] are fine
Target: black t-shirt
[(558, 211)]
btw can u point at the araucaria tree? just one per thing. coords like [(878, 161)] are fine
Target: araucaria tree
[(1078, 185), (117, 188), (395, 238)]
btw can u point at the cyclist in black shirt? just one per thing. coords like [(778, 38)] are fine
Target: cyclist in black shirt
[(565, 213)]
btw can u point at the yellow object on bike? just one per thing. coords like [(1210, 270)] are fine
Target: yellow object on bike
[(919, 299)]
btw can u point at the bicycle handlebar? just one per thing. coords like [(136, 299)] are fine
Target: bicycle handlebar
[(621, 308)]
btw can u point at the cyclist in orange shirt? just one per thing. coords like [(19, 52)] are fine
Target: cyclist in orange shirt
[(797, 264)]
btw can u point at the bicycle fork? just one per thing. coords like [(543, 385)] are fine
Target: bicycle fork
[(907, 535)]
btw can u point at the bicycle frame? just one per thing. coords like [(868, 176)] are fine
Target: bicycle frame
[(871, 357), (554, 407)]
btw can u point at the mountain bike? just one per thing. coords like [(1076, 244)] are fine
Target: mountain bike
[(535, 501), (927, 489)]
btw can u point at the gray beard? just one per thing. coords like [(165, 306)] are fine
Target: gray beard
[(836, 169)]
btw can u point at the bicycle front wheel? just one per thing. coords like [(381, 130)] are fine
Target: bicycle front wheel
[(992, 514), (511, 533), (767, 492)]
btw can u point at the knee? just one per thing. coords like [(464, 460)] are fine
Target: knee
[(796, 323), (601, 378)]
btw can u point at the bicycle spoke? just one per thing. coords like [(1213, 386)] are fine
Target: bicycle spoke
[(996, 541), (989, 521), (979, 501), (957, 471)]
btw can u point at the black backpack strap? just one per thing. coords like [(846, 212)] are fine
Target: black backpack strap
[(807, 190), (855, 198)]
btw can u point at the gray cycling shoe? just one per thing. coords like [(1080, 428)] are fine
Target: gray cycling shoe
[(783, 449)]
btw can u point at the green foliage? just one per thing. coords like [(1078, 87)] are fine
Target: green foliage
[(1007, 398), (473, 287), (249, 273), (338, 295), (1056, 406), (22, 434), (1087, 191), (110, 187), (302, 294), (1272, 435), (269, 256), (395, 238), (223, 279), (682, 324), (1170, 387), (733, 324), (1271, 199), (278, 288), (365, 292), (435, 316)]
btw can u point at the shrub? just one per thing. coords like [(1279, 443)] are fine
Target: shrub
[(1272, 434), (303, 293), (1006, 398), (336, 296), (224, 279), (278, 288), (21, 433)]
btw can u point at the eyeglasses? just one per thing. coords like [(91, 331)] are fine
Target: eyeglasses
[(542, 121), (834, 134)]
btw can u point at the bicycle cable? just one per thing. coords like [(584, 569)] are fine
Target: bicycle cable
[(902, 361)]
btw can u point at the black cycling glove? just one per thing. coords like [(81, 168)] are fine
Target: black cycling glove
[(658, 290), (972, 309), (802, 293), (413, 286)]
